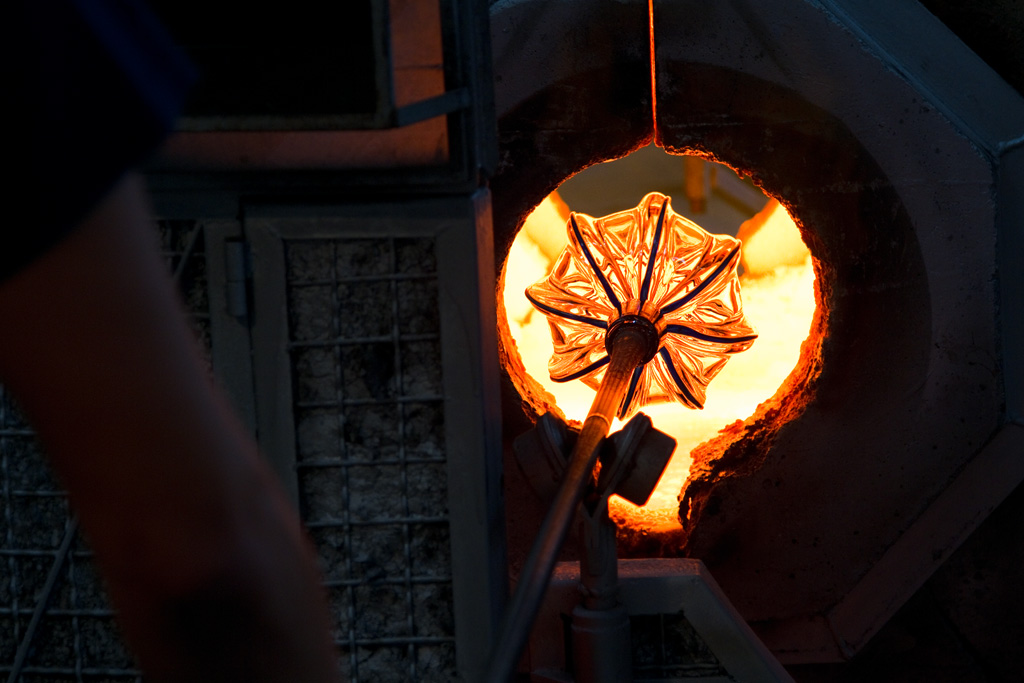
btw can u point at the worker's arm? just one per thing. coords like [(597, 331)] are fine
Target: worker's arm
[(205, 561)]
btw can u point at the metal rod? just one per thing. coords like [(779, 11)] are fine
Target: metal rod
[(44, 598), (628, 350)]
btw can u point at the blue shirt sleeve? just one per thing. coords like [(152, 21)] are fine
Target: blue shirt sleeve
[(97, 85)]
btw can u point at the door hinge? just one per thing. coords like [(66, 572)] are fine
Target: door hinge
[(238, 273)]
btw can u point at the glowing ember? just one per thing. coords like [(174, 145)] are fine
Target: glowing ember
[(778, 297)]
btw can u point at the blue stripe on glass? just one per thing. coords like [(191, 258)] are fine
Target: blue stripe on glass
[(668, 308), (585, 371), (633, 382), (593, 265), (690, 332), (678, 380), (567, 315), (645, 289)]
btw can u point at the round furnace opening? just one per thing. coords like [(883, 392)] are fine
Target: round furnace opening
[(777, 279)]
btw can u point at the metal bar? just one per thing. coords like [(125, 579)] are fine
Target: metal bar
[(382, 277), (67, 670), (37, 615), (28, 493), (410, 607), (319, 524), (628, 350), (8, 510), (327, 463), (346, 492), (451, 101), (416, 580), (400, 640), (186, 255), (236, 279), (355, 402), (17, 552), (352, 341), (59, 612)]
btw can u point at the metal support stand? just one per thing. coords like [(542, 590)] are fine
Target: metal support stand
[(629, 348), (632, 461), (600, 626)]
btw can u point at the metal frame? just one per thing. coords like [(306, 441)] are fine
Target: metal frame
[(384, 112), (229, 326), (660, 587), (213, 186), (962, 197), (460, 227)]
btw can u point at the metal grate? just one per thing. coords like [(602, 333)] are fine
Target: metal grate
[(55, 620), (371, 467), (56, 623), (182, 244), (666, 647), (370, 450)]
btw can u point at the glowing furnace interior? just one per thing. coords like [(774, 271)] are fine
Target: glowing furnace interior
[(777, 279)]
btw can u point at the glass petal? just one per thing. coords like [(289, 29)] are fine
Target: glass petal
[(652, 262)]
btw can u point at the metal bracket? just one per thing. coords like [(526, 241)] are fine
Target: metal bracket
[(237, 272), (632, 459)]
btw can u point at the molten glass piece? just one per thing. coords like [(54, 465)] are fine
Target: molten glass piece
[(651, 263)]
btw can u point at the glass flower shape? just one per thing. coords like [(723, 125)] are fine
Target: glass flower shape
[(647, 261)]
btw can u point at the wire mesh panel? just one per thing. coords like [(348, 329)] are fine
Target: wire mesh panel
[(386, 418), (667, 648), (385, 436), (183, 245), (56, 623), (370, 450)]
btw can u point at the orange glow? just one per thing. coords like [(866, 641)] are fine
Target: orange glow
[(778, 300), (653, 60)]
